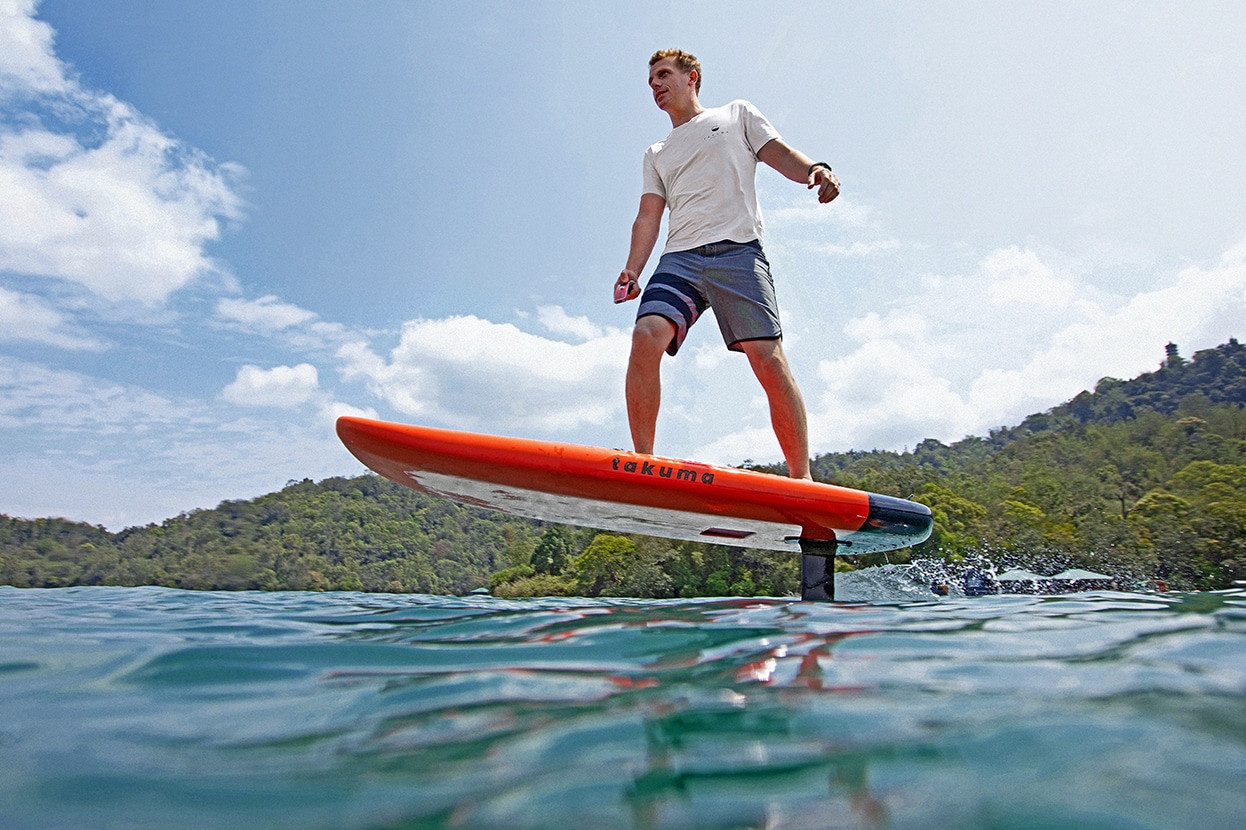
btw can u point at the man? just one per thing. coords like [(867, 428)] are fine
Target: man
[(704, 172)]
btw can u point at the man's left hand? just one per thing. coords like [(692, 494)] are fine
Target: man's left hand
[(826, 183)]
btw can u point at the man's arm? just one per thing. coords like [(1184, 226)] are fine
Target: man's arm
[(645, 232), (798, 167)]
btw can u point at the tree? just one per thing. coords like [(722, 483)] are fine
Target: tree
[(602, 565), (553, 550)]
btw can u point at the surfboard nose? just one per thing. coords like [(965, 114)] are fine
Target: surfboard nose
[(893, 523)]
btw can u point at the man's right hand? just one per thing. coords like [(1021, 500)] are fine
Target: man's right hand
[(626, 287)]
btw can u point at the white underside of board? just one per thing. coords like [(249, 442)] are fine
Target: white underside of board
[(606, 515)]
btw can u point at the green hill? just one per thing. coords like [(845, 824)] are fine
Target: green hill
[(1144, 478)]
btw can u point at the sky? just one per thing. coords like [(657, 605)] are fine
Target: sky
[(223, 225)]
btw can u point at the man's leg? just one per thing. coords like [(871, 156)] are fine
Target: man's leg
[(787, 407), (644, 379)]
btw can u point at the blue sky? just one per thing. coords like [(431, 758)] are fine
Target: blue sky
[(223, 224)]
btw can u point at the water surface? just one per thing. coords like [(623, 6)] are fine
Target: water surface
[(146, 707)]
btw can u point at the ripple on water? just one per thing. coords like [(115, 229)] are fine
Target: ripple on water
[(157, 708)]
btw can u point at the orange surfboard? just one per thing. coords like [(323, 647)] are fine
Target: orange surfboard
[(633, 493)]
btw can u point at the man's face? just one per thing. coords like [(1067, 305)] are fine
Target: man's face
[(670, 85)]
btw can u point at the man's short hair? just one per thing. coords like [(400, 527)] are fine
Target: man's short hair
[(685, 61)]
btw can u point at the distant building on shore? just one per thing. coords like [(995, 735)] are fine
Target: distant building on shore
[(1172, 360)]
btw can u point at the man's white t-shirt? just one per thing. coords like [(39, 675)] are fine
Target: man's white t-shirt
[(706, 170)]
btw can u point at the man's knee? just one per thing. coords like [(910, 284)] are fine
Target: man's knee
[(766, 356), (651, 336)]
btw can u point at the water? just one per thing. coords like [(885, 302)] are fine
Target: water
[(153, 708)]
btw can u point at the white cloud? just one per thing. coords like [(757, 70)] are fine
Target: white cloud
[(288, 387), (1019, 277), (34, 397), (747, 444), (100, 451), (860, 250), (265, 314), (884, 396), (898, 324), (804, 209), (26, 60), (333, 410), (945, 366), (556, 320), (27, 317), (117, 207), (848, 228), (473, 373), (285, 387), (296, 328), (1203, 306)]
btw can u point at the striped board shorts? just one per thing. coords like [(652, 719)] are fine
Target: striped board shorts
[(733, 278)]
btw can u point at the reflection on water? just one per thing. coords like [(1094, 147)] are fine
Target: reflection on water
[(159, 708)]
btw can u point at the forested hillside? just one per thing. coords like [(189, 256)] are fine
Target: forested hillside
[(362, 533), (1142, 478)]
